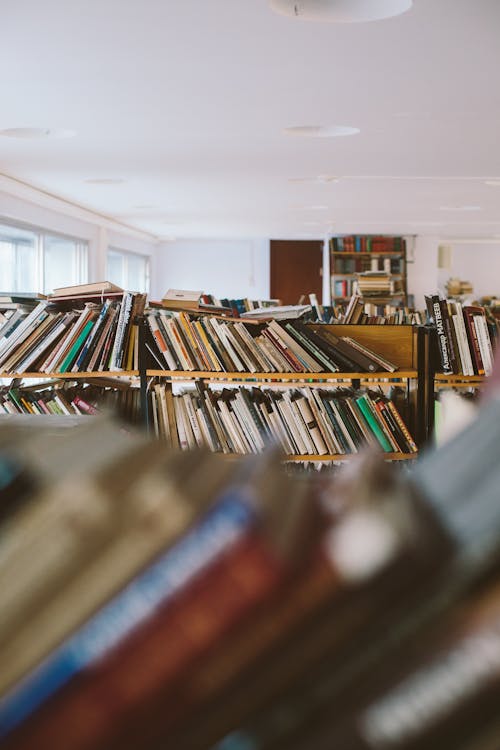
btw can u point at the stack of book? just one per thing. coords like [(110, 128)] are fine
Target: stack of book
[(465, 336), (176, 600), (302, 421), (374, 284), (186, 343), (91, 328)]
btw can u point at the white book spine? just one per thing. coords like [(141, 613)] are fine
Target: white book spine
[(484, 343)]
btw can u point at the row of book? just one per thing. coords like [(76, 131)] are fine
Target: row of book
[(187, 343), (342, 288), (350, 265), (465, 336), (367, 244), (154, 599), (302, 421), (69, 398), (61, 335), (358, 311)]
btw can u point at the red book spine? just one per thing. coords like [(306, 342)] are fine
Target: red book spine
[(124, 698), (473, 342)]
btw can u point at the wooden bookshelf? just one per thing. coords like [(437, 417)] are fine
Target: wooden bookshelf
[(394, 342), (343, 274), (397, 343)]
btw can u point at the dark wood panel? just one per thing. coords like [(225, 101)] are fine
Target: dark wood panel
[(296, 269)]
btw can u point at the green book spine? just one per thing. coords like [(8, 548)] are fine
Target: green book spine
[(76, 347), (363, 404)]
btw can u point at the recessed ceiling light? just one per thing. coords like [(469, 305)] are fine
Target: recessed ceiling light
[(460, 208), (105, 181), (310, 208), (341, 11), (321, 178), (321, 131), (38, 133), (492, 183)]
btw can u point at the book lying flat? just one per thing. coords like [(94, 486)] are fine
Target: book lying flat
[(277, 312), (96, 287)]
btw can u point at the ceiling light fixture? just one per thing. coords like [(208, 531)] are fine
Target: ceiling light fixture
[(460, 208), (321, 178), (321, 131), (38, 133), (317, 207), (340, 11), (105, 181)]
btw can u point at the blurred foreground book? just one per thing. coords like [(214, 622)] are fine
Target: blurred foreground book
[(180, 600)]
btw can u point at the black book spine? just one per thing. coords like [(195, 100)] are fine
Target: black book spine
[(447, 323), (444, 351)]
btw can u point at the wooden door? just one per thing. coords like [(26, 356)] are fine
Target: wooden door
[(296, 270)]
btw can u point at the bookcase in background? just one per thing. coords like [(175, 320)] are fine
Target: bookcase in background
[(373, 265)]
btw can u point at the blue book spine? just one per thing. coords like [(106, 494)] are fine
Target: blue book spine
[(224, 524)]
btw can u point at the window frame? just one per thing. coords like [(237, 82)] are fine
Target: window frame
[(80, 263), (125, 255)]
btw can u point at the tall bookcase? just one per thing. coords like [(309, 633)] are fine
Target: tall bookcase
[(351, 256)]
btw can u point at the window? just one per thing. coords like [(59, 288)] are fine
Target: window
[(128, 270), (33, 261)]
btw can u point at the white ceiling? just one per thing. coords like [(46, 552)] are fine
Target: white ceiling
[(186, 101)]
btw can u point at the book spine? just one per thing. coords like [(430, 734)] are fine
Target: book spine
[(364, 405), (105, 354), (441, 335), (73, 352), (473, 341), (117, 350), (402, 426), (445, 315), (155, 587)]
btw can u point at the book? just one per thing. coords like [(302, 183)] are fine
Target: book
[(435, 314), (181, 499), (224, 542), (278, 312), (76, 290)]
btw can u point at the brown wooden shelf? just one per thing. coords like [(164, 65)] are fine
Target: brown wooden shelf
[(71, 375), (283, 376), (457, 381), (332, 457), (347, 456)]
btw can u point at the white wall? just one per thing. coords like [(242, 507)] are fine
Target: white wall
[(422, 270), (476, 262), (224, 268)]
